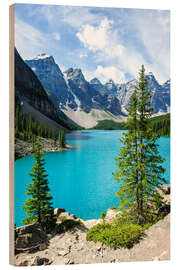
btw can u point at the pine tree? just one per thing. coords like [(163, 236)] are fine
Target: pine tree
[(39, 205), (61, 139), (139, 163)]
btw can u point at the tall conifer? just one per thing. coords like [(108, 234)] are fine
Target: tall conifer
[(39, 205), (139, 163)]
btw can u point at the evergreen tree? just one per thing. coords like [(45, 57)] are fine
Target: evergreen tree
[(39, 205), (61, 139), (139, 163)]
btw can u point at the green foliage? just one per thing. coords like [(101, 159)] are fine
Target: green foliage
[(157, 199), (66, 225), (110, 125), (61, 218), (103, 215), (139, 163), (129, 215), (115, 236), (38, 206), (113, 208), (161, 125), (27, 129), (61, 139)]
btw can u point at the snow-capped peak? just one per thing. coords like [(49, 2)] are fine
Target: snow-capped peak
[(41, 56)]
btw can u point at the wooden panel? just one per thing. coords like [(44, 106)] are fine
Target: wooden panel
[(11, 135)]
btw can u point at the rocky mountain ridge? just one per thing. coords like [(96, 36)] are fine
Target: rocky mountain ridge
[(70, 91), (32, 98)]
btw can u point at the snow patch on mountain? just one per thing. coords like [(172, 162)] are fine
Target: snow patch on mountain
[(77, 101), (41, 56)]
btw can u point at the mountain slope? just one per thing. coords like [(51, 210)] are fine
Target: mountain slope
[(71, 88), (29, 91), (160, 100), (87, 102)]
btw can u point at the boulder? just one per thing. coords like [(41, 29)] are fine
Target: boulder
[(23, 263), (40, 261), (58, 211), (65, 214), (30, 236), (73, 216)]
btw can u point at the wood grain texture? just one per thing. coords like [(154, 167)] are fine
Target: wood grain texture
[(11, 134)]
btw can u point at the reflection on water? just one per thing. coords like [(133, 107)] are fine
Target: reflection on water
[(78, 136)]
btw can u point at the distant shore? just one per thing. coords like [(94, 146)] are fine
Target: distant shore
[(24, 148)]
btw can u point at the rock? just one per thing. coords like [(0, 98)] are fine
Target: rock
[(30, 236), (111, 214), (156, 259), (73, 216), (40, 261), (61, 260), (63, 253), (58, 211), (77, 236), (23, 263), (167, 190), (98, 246), (42, 246), (64, 214), (165, 209)]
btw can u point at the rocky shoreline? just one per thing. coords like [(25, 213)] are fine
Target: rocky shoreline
[(34, 247), (24, 148), (71, 247)]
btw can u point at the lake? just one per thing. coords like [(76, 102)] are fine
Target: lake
[(81, 179)]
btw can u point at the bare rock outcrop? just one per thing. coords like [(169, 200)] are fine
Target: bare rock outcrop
[(30, 237)]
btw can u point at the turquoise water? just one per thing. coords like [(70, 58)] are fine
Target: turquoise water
[(81, 179)]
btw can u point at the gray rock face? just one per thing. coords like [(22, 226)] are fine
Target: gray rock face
[(160, 99), (28, 89), (111, 87), (51, 78), (72, 90), (30, 236)]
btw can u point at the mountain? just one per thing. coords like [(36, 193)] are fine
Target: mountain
[(32, 98), (160, 99), (111, 87), (72, 91), (85, 102)]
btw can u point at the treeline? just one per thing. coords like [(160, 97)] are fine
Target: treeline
[(161, 124), (109, 125), (26, 128)]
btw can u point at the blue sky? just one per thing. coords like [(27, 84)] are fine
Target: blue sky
[(103, 42)]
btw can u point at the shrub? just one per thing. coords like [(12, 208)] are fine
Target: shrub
[(103, 215), (62, 218), (157, 199), (66, 225), (115, 236)]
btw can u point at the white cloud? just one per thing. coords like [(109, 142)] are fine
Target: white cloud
[(153, 29), (78, 16), (95, 38), (56, 36), (105, 73), (28, 40), (71, 15), (83, 55), (107, 43)]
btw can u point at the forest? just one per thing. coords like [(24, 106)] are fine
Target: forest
[(159, 124)]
